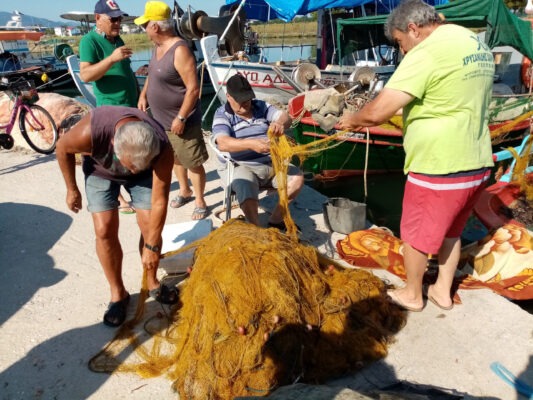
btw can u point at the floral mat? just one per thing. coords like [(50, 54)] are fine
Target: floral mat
[(502, 261)]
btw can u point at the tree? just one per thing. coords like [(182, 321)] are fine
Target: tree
[(515, 4)]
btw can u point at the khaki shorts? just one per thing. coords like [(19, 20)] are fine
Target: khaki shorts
[(189, 147)]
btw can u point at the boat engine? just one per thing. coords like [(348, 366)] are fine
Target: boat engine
[(195, 25)]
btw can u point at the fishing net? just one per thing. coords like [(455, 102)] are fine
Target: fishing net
[(259, 310), (520, 175)]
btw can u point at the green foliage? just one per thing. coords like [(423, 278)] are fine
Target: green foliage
[(515, 4), (292, 29)]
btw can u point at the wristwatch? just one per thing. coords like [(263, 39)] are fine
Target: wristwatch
[(182, 119), (155, 249)]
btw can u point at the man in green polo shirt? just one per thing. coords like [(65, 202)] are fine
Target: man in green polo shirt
[(105, 61), (444, 85)]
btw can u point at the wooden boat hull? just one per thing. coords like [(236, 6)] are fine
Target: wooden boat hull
[(348, 156), (385, 147), (269, 81), (385, 150)]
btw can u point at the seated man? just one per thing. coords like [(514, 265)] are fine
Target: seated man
[(121, 146), (240, 128)]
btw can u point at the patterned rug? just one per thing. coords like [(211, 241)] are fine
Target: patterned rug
[(502, 261)]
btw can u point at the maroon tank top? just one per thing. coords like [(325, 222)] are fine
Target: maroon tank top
[(166, 89), (103, 162)]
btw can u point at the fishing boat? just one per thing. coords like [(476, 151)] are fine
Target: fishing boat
[(16, 58), (381, 150), (277, 81)]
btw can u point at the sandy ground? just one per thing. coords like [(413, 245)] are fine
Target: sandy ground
[(53, 296)]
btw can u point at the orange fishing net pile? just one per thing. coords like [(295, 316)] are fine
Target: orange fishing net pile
[(259, 311)]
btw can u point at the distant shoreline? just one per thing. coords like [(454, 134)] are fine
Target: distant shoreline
[(294, 31)]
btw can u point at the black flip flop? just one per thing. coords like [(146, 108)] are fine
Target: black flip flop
[(165, 294), (116, 312)]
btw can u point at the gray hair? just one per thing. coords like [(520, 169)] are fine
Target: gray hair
[(137, 141), (166, 25), (410, 11)]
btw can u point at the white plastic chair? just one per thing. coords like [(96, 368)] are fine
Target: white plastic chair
[(228, 193)]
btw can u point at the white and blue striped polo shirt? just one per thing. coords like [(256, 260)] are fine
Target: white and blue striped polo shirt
[(227, 123)]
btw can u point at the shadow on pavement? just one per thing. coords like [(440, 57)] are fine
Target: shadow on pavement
[(27, 233), (36, 160), (58, 368)]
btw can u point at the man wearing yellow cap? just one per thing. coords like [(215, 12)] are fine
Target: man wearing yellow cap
[(171, 90)]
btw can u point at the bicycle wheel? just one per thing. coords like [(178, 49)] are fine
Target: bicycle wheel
[(38, 128)]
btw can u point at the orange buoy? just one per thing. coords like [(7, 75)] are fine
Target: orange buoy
[(526, 72)]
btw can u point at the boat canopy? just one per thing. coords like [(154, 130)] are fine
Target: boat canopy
[(89, 18), (502, 27), (20, 35), (265, 10)]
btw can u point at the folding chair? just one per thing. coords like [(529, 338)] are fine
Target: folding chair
[(228, 193)]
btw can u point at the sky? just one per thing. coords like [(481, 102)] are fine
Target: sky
[(52, 9)]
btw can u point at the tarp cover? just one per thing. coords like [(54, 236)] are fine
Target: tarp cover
[(503, 28), (288, 9)]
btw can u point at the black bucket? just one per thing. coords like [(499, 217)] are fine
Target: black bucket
[(344, 215)]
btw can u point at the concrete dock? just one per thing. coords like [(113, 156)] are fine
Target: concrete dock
[(54, 294)]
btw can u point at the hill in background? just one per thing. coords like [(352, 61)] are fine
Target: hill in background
[(28, 20)]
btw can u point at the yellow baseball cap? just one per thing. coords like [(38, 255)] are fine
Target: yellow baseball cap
[(153, 11)]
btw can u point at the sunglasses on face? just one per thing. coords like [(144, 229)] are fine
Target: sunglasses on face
[(115, 19)]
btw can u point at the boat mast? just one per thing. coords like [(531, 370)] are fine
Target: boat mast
[(319, 27)]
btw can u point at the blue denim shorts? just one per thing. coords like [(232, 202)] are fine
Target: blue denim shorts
[(102, 194)]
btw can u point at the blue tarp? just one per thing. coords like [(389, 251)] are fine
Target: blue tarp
[(288, 9)]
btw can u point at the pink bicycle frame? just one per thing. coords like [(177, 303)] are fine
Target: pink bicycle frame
[(19, 105)]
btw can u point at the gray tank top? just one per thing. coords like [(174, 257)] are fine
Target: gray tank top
[(103, 162), (166, 89)]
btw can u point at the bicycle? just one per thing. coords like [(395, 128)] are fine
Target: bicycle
[(35, 123)]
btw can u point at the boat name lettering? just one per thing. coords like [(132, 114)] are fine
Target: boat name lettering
[(249, 75), (277, 79)]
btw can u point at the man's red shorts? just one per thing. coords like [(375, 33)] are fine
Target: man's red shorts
[(437, 206)]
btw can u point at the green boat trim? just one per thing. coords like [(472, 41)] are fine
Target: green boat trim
[(385, 149), (347, 156)]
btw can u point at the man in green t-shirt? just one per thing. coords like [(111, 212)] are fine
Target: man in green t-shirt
[(105, 61), (444, 86)]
